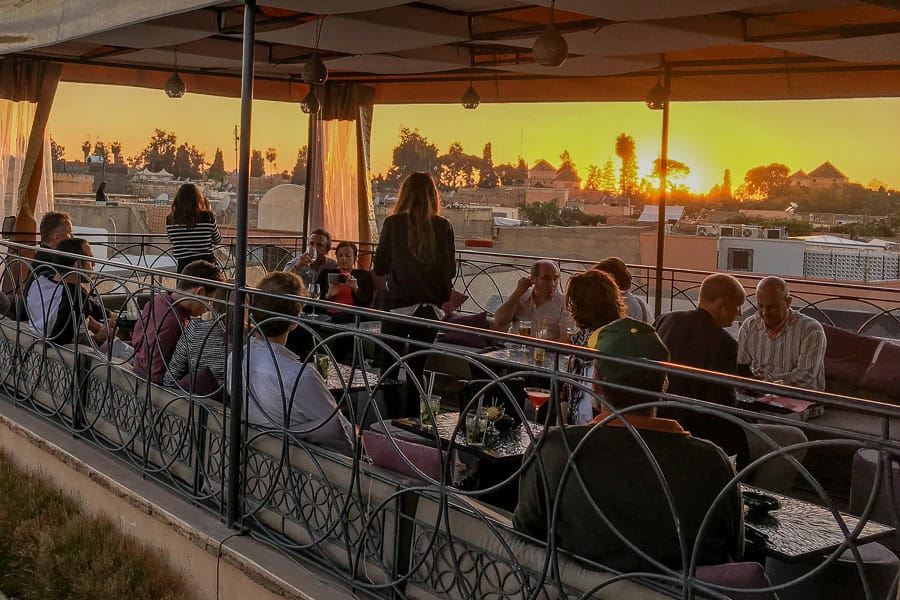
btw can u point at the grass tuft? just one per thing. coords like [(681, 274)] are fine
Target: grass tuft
[(49, 550)]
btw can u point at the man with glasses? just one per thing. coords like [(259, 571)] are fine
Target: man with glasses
[(315, 260), (537, 299)]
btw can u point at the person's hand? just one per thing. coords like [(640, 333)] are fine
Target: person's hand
[(523, 285), (351, 281), (304, 261)]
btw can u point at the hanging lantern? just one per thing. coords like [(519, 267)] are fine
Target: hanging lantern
[(314, 71), (470, 98), (658, 97), (310, 103), (550, 49), (175, 87)]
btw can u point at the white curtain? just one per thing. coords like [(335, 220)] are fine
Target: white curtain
[(339, 179), (15, 127)]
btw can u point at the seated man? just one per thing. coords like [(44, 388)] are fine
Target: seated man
[(615, 472), (779, 344), (283, 393), (308, 267), (54, 227), (537, 299), (58, 306), (697, 338), (164, 318)]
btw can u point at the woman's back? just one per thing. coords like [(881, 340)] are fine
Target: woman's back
[(410, 280), (193, 240)]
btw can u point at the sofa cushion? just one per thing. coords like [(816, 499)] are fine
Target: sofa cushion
[(847, 357), (465, 338), (882, 377)]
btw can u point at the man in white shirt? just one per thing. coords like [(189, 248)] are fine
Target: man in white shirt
[(283, 392), (537, 299), (779, 344)]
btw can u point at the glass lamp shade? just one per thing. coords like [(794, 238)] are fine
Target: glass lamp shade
[(314, 71), (550, 49), (175, 87), (310, 103), (470, 98), (658, 97)]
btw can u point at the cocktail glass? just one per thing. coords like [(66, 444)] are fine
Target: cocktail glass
[(538, 397)]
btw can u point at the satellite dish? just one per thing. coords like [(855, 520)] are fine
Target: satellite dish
[(224, 202), (162, 198)]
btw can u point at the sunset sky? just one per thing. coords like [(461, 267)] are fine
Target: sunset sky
[(858, 136)]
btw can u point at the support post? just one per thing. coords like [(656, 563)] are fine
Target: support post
[(661, 216), (312, 156), (235, 437)]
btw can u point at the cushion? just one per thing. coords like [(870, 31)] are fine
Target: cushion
[(465, 338), (745, 575), (426, 458), (201, 383), (847, 356), (883, 377)]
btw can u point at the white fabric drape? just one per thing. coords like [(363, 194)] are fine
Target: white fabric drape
[(15, 127), (339, 179)]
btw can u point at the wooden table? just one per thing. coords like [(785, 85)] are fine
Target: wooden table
[(507, 446), (802, 529)]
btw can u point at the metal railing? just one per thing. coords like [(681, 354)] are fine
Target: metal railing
[(395, 527)]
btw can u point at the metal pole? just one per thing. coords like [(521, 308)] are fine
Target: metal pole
[(240, 270), (661, 217), (311, 170)]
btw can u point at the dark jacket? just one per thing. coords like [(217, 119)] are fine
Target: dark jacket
[(694, 339), (409, 280), (619, 477)]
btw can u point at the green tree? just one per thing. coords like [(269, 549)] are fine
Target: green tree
[(57, 152), (412, 153), (608, 177), (257, 164), (86, 149), (182, 166), (626, 151), (271, 157), (217, 168), (457, 169), (566, 162), (116, 149), (487, 176), (159, 153), (675, 171), (298, 175), (764, 181), (513, 175), (726, 183), (541, 213), (593, 179)]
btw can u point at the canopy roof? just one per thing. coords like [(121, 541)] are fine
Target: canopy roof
[(429, 51)]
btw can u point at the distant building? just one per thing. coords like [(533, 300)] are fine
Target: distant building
[(825, 175), (545, 175), (566, 178)]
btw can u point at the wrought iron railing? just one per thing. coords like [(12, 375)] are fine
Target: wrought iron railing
[(441, 526)]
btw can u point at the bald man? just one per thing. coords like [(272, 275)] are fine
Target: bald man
[(779, 344), (537, 299)]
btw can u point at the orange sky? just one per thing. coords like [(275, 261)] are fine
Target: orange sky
[(858, 136)]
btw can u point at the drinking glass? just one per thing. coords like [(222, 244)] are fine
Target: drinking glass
[(312, 290), (476, 428), (537, 396), (434, 402), (322, 365), (525, 331), (540, 353)]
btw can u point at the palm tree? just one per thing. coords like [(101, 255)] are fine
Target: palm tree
[(271, 156), (625, 150)]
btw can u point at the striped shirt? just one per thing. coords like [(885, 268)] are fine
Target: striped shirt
[(193, 241), (202, 344), (796, 356)]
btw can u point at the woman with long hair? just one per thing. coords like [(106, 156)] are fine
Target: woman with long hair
[(594, 300), (416, 258), (191, 227)]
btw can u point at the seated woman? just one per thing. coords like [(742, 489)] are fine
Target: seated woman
[(346, 284), (593, 299)]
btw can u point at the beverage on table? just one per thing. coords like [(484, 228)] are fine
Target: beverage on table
[(434, 402), (525, 328), (537, 396), (540, 353), (476, 428), (322, 365)]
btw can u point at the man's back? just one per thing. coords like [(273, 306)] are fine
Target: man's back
[(619, 476)]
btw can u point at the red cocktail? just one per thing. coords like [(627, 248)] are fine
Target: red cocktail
[(537, 396)]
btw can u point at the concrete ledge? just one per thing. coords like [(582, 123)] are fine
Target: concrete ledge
[(218, 561)]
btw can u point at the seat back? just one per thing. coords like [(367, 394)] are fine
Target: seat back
[(405, 457)]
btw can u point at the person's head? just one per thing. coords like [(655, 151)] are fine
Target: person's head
[(199, 269), (79, 246), (593, 299), (55, 227), (321, 241), (420, 201), (544, 277), (266, 308), (773, 301), (101, 187), (722, 296), (629, 338), (187, 206), (346, 254), (615, 266)]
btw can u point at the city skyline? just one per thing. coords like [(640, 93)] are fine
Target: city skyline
[(855, 135)]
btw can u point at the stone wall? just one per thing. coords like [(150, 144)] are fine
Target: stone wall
[(584, 243)]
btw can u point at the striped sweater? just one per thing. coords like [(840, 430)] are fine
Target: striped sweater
[(193, 241)]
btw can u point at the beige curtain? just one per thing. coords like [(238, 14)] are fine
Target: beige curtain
[(27, 89), (341, 199)]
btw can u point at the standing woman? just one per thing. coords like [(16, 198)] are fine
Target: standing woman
[(192, 227), (416, 255)]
